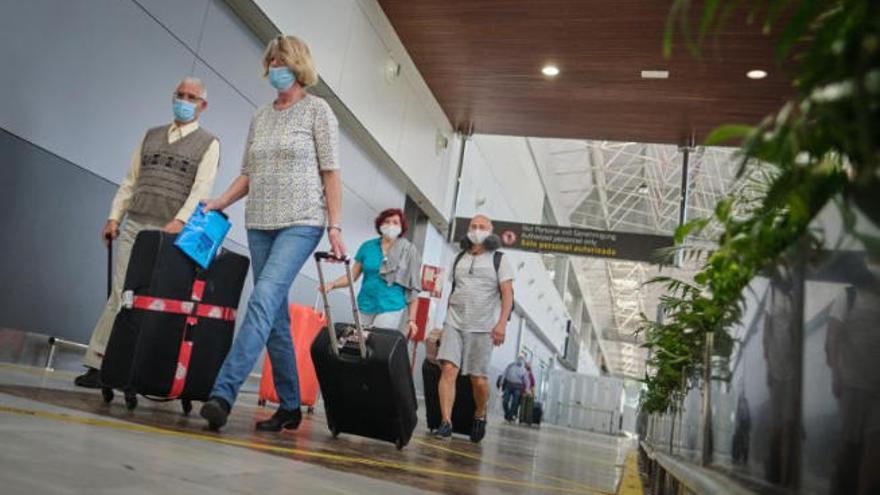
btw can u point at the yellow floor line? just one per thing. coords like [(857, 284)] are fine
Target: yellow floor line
[(631, 482), (286, 450), (504, 465)]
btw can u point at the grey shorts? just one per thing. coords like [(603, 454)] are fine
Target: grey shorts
[(468, 351)]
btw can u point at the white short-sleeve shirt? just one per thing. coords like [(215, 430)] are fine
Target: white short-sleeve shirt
[(475, 304)]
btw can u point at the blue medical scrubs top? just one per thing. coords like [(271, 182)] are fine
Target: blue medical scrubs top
[(376, 296)]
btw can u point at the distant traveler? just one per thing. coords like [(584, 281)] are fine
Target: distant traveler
[(515, 383)]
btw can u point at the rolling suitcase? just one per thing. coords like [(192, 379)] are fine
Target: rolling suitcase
[(176, 323), (538, 413), (365, 377), (527, 410), (462, 409), (305, 323)]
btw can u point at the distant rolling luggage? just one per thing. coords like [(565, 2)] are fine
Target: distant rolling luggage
[(527, 409), (176, 323), (538, 413), (365, 377), (305, 324)]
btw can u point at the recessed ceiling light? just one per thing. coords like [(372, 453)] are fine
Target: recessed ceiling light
[(655, 74), (550, 70), (756, 74)]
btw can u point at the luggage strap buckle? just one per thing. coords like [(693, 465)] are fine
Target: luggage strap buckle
[(127, 300)]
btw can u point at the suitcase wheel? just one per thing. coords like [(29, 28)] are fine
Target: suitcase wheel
[(131, 401), (334, 431), (261, 402), (399, 443), (310, 410), (187, 406), (107, 394)]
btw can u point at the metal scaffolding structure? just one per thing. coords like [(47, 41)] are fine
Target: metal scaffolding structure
[(629, 187)]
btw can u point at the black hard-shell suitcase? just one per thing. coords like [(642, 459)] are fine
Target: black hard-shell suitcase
[(365, 378), (462, 409), (176, 324)]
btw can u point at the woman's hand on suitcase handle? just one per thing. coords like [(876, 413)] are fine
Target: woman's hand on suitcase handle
[(336, 244), (110, 232)]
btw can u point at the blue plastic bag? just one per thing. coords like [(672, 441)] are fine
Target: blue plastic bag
[(203, 235)]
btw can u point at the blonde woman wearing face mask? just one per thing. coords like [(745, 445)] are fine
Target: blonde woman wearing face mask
[(391, 267), (291, 177)]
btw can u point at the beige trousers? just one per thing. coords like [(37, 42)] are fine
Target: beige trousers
[(101, 334)]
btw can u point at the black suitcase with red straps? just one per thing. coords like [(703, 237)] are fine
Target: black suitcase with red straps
[(176, 324)]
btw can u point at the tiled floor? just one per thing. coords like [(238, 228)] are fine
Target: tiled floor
[(59, 439)]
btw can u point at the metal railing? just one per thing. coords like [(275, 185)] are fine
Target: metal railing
[(54, 342)]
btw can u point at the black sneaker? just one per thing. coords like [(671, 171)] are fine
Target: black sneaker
[(282, 419), (216, 411), (478, 430), (444, 430), (90, 379)]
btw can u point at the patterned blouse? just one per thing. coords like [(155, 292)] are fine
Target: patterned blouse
[(285, 152)]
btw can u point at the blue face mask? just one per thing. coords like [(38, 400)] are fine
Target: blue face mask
[(184, 111), (281, 78)]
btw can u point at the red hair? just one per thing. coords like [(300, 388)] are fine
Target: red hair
[(392, 212)]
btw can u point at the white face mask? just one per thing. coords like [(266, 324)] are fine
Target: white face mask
[(478, 236), (390, 231)]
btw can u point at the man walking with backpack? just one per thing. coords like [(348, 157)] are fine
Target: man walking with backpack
[(479, 306)]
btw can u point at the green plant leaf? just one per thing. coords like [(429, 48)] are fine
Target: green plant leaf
[(709, 10), (723, 209), (692, 227), (726, 133)]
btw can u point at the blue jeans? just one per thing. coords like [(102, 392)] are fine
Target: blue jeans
[(512, 397), (277, 257)]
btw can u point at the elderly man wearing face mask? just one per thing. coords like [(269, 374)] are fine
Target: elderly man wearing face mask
[(391, 266), (479, 307), (172, 167)]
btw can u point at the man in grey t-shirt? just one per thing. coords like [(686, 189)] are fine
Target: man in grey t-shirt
[(479, 306)]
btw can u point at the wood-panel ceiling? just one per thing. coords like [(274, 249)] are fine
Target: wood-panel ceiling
[(482, 60)]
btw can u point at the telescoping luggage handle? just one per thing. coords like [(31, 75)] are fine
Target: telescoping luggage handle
[(334, 343), (109, 265)]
